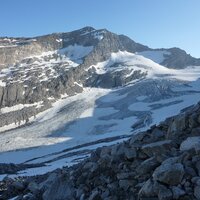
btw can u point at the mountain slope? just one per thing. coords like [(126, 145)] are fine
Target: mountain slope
[(37, 71), (66, 94), (160, 163)]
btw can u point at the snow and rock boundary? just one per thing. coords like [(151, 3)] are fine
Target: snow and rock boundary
[(161, 163)]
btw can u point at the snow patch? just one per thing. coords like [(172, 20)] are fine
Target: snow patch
[(130, 61), (8, 46), (76, 52), (125, 60), (20, 107), (2, 83), (156, 56), (98, 35), (59, 40), (79, 84)]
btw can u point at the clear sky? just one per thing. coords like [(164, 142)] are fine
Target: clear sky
[(156, 23)]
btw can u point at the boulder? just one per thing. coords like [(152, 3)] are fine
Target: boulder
[(47, 183), (95, 196), (177, 192), (18, 185), (125, 184), (147, 166), (59, 189), (197, 192), (33, 187), (168, 173), (190, 143), (157, 148), (178, 125), (147, 190), (130, 153), (118, 150), (193, 120), (164, 193)]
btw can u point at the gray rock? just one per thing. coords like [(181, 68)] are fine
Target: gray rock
[(177, 127), (95, 196), (105, 194), (190, 143), (147, 189), (59, 189), (177, 192), (157, 148), (195, 179), (125, 184), (157, 133), (89, 165), (193, 120), (118, 150), (170, 174), (198, 167), (182, 59), (198, 182), (29, 196), (33, 187), (47, 183), (126, 175), (130, 153), (147, 166), (190, 171), (18, 185), (197, 192), (164, 193)]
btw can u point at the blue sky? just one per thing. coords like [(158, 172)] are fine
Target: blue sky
[(156, 23)]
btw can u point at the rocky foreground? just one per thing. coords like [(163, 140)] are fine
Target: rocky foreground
[(162, 163)]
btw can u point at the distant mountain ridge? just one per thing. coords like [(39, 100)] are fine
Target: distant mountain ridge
[(86, 36)]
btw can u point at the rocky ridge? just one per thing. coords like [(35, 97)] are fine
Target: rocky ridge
[(161, 163)]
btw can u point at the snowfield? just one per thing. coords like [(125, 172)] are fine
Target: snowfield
[(156, 56), (76, 52), (146, 62)]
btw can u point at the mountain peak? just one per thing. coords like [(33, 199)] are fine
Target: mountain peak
[(86, 29)]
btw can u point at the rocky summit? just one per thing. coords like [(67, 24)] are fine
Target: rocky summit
[(161, 163)]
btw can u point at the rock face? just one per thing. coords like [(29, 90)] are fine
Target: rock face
[(182, 59), (150, 165), (14, 50)]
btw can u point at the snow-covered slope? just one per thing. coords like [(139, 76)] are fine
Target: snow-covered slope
[(157, 56), (67, 132), (126, 64), (124, 59), (91, 88)]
